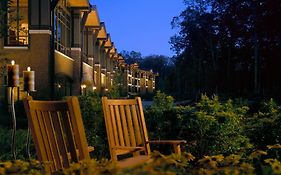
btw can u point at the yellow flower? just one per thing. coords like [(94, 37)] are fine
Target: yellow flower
[(232, 159), (205, 171), (232, 171), (8, 164), (276, 168), (270, 161), (211, 161), (213, 164), (204, 160), (218, 158), (257, 153), (190, 157), (247, 168), (276, 146)]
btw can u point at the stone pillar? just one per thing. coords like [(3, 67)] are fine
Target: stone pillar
[(76, 53), (142, 84), (150, 86), (97, 67), (97, 77)]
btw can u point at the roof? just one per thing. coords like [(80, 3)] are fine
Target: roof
[(93, 19), (78, 3)]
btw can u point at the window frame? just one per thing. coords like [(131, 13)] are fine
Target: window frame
[(18, 36)]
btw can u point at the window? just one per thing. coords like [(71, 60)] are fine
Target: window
[(62, 30), (62, 86), (17, 22)]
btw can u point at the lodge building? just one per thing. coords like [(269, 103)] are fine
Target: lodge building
[(69, 49)]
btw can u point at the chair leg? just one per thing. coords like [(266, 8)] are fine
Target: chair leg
[(177, 149)]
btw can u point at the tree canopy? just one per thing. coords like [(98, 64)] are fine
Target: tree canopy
[(228, 46)]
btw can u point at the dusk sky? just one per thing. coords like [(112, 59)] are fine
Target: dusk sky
[(143, 26)]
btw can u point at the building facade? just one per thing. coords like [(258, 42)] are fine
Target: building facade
[(69, 49)]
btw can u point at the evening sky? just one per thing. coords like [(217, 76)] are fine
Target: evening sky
[(140, 25)]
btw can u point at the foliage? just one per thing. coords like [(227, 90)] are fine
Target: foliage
[(3, 63), (32, 167), (162, 102), (263, 162), (210, 127), (91, 110), (3, 13), (264, 127), (5, 142), (115, 90), (227, 47), (132, 56)]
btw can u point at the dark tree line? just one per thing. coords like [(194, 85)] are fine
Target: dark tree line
[(229, 47)]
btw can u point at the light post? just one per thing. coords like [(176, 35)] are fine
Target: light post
[(28, 86), (13, 81)]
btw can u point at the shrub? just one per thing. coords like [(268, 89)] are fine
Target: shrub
[(264, 127), (216, 128), (5, 144), (91, 110), (162, 102), (210, 127)]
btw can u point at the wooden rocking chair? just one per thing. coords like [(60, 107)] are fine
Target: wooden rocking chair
[(127, 133), (58, 132)]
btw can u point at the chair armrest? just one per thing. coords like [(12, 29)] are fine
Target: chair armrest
[(91, 149), (175, 143)]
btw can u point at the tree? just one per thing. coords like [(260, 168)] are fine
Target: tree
[(228, 47), (131, 57), (4, 5)]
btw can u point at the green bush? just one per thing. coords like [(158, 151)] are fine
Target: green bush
[(162, 102), (264, 127), (210, 127), (91, 109), (5, 144)]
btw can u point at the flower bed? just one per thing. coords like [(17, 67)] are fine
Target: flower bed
[(256, 162)]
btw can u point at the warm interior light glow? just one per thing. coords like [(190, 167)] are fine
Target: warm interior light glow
[(28, 69), (83, 86), (106, 89), (13, 62), (94, 87)]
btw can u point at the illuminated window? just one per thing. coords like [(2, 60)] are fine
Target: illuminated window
[(62, 30), (17, 23)]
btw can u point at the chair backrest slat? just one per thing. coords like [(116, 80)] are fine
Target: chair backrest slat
[(51, 135), (130, 125), (125, 126), (136, 120), (60, 139), (57, 131), (46, 140), (119, 126), (114, 126)]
